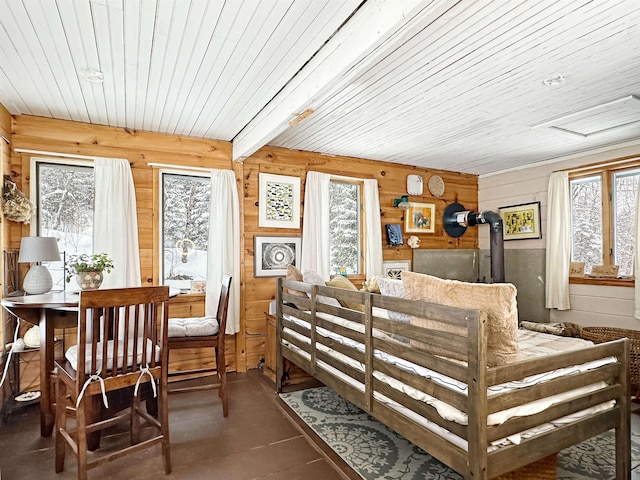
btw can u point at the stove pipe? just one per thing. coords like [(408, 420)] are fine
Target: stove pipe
[(456, 221)]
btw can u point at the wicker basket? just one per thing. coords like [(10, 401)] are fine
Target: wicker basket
[(543, 469), (606, 334)]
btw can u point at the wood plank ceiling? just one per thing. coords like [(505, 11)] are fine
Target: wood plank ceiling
[(449, 84)]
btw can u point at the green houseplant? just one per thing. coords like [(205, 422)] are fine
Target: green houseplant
[(87, 269)]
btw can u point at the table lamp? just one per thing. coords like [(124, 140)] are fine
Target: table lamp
[(35, 250)]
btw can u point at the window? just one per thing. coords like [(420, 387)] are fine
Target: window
[(185, 229), (603, 206), (64, 200), (345, 227)]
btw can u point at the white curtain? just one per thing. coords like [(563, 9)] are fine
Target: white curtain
[(636, 256), (115, 226), (223, 256), (558, 241), (315, 226), (373, 229)]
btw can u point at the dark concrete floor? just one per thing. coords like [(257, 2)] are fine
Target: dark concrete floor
[(256, 441)]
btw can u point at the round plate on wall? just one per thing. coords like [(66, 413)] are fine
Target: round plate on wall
[(436, 185)]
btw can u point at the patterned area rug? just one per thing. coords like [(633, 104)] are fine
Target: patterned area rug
[(377, 452)]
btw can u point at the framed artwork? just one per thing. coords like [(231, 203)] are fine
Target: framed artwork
[(394, 269), (279, 202), (273, 254), (420, 218), (521, 222), (394, 234)]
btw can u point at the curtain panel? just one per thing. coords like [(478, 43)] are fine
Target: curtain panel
[(558, 241)]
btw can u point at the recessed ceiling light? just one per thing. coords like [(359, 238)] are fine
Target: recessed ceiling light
[(554, 81), (95, 76)]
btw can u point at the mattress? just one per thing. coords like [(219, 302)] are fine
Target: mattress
[(532, 344)]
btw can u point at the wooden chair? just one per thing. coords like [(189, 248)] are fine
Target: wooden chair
[(98, 367), (205, 332)]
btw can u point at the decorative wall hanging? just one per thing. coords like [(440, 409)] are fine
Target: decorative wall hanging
[(420, 218), (279, 203), (436, 185), (394, 234), (414, 185), (16, 206), (273, 254), (521, 222), (394, 269)]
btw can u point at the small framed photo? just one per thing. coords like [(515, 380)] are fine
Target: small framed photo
[(198, 286), (279, 202), (394, 234), (273, 254), (521, 222), (395, 269), (420, 218)]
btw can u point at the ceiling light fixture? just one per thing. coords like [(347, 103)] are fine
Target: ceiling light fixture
[(91, 75), (554, 81)]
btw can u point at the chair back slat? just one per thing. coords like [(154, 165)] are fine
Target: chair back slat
[(128, 330), (223, 305)]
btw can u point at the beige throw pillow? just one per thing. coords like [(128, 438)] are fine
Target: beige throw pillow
[(294, 274), (497, 300), (340, 281)]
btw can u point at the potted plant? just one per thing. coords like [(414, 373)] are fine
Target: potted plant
[(87, 269)]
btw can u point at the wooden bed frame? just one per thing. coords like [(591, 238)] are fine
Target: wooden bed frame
[(475, 463)]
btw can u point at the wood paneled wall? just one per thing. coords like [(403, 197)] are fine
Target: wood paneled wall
[(392, 183), (140, 148)]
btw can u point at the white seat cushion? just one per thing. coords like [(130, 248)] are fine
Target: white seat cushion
[(72, 355), (193, 327)]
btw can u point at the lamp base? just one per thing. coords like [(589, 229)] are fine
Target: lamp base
[(37, 280)]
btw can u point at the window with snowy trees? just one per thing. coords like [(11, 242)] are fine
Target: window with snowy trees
[(603, 207), (64, 208), (185, 228), (345, 227)]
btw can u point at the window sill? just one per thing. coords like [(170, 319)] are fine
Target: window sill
[(615, 282)]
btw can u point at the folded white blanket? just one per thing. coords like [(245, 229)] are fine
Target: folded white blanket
[(193, 326)]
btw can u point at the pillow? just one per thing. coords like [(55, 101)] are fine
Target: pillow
[(340, 281), (371, 285), (497, 300), (394, 288), (315, 279), (294, 274)]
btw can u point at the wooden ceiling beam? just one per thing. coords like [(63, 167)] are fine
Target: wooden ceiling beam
[(375, 30)]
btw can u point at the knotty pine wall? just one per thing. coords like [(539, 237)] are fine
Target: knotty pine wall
[(140, 148), (392, 183)]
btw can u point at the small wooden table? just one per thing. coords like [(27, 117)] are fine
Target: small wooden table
[(49, 311)]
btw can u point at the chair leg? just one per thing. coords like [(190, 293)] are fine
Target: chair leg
[(61, 423), (222, 375), (81, 422), (135, 420), (164, 419)]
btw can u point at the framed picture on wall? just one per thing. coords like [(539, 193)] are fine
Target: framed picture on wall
[(279, 201), (273, 254), (420, 218), (521, 222), (395, 269)]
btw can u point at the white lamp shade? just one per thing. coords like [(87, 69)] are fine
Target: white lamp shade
[(38, 249)]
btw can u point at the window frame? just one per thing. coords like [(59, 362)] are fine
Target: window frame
[(361, 275), (159, 242), (34, 191), (606, 172)]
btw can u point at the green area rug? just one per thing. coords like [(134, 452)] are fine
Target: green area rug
[(377, 452)]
